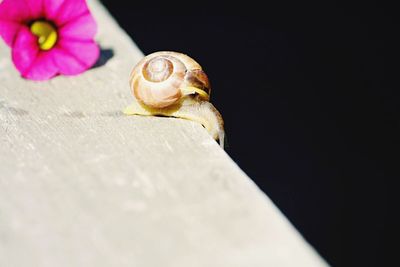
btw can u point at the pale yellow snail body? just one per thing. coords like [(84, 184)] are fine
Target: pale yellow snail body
[(173, 84)]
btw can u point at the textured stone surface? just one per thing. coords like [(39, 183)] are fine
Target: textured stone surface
[(83, 185)]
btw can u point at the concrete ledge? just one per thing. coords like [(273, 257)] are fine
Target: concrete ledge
[(83, 185)]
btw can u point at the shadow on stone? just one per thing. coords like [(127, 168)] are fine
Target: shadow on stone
[(13, 110), (105, 55), (75, 114), (17, 111), (113, 114)]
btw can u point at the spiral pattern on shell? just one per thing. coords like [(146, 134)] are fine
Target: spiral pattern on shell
[(157, 80)]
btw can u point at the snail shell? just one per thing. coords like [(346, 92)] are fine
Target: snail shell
[(161, 79)]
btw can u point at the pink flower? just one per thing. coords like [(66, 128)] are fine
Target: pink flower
[(49, 37)]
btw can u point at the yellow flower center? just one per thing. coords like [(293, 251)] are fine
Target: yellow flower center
[(46, 33)]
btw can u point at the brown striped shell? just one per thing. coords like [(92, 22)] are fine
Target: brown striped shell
[(159, 78)]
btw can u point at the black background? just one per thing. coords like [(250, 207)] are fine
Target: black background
[(309, 97)]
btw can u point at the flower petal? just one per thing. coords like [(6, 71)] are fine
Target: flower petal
[(82, 28), (74, 57), (14, 10), (62, 11), (15, 13), (43, 67), (29, 60), (36, 8), (8, 31), (51, 8), (25, 49)]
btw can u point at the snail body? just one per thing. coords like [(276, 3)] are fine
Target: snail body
[(173, 84)]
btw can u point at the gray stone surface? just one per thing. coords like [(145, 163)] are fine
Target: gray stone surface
[(83, 185)]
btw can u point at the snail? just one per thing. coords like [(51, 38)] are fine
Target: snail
[(173, 84)]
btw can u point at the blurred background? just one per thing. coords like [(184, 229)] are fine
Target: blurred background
[(308, 95)]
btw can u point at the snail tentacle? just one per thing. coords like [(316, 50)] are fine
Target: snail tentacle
[(190, 90)]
